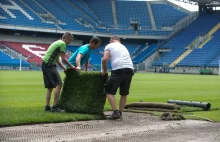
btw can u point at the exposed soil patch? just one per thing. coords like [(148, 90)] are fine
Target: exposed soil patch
[(133, 127)]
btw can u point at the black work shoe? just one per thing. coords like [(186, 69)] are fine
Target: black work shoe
[(57, 109), (120, 113), (47, 108), (113, 116)]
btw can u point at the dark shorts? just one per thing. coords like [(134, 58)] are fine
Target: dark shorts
[(51, 76), (119, 78)]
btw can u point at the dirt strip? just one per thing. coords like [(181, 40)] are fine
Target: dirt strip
[(134, 127)]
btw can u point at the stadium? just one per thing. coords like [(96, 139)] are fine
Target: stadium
[(175, 52)]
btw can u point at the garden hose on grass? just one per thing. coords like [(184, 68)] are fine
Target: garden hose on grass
[(202, 118)]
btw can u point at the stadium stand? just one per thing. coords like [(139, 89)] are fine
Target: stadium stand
[(145, 53), (19, 14), (215, 62), (72, 48), (33, 52), (6, 2), (101, 29), (122, 31), (137, 50), (75, 12), (34, 6), (153, 33), (169, 17), (84, 7), (85, 15), (95, 58), (202, 57), (132, 10), (114, 18), (179, 43), (103, 9), (131, 47), (6, 60), (63, 11)]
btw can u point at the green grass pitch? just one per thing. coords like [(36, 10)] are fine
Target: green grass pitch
[(22, 95)]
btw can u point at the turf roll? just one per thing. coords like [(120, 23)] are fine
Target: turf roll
[(150, 105), (83, 92)]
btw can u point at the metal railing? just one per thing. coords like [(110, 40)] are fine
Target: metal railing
[(12, 53)]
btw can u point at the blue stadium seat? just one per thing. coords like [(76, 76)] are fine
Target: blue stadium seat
[(6, 60), (103, 9), (101, 30), (86, 16), (166, 15), (6, 2), (121, 31), (69, 8), (203, 57), (132, 10), (23, 20), (154, 33), (84, 7), (178, 44), (35, 6), (63, 11), (131, 47), (72, 48), (146, 53), (215, 62)]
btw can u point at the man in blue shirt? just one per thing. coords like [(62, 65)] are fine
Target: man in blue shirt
[(82, 54)]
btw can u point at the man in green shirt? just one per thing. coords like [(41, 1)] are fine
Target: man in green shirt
[(51, 76), (82, 54)]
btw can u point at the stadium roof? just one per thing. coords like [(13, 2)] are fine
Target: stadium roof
[(203, 2)]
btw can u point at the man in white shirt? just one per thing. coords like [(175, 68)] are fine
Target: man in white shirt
[(121, 74)]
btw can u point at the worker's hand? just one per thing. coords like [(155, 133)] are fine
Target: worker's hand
[(65, 69), (78, 68), (73, 67), (104, 73)]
